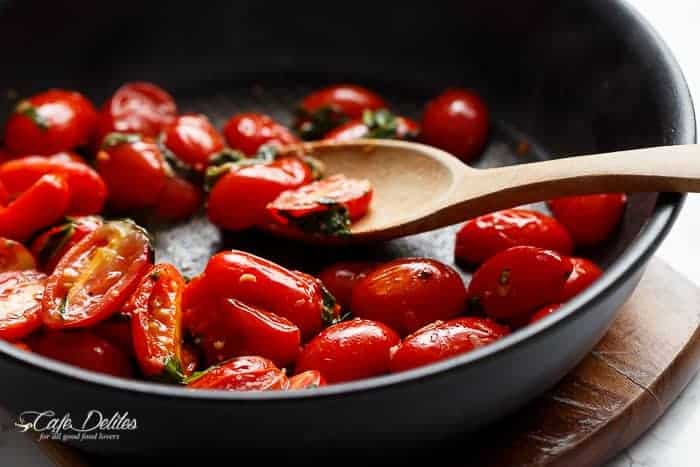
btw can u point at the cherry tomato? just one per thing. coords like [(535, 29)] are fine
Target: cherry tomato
[(50, 246), (138, 107), (134, 170), (44, 203), (590, 219), (117, 331), (584, 273), (253, 187), (49, 122), (193, 139), (544, 312), (441, 340), (14, 256), (340, 278), (20, 303), (512, 284), (178, 200), (97, 276), (85, 350), (242, 374), (482, 237), (456, 121), (350, 350), (258, 282), (247, 132), (4, 195), (409, 293), (379, 124), (307, 380)]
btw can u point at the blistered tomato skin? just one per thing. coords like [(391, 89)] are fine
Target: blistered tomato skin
[(482, 237), (50, 246), (349, 351), (544, 312), (340, 279), (590, 219), (409, 293), (247, 132), (193, 139), (20, 303), (307, 380), (14, 256), (242, 374), (513, 284), (584, 273), (441, 340)]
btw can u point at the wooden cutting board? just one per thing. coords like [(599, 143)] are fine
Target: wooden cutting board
[(638, 369)]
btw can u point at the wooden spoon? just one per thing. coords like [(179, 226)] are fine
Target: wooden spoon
[(419, 188)]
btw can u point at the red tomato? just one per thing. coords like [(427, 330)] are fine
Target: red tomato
[(178, 200), (49, 122), (393, 127), (193, 139), (584, 273), (247, 132), (14, 256), (190, 359), (97, 276), (242, 374), (22, 346), (41, 205), (258, 282), (117, 331), (544, 312), (83, 349), (441, 340), (253, 187), (514, 283), (348, 351), (6, 156), (340, 278), (20, 303), (482, 237), (590, 219), (409, 293), (50, 246), (134, 170), (4, 195), (138, 107), (456, 121), (307, 380)]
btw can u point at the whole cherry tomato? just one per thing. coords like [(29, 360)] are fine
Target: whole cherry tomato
[(456, 121), (43, 204), (482, 237), (409, 293), (50, 246), (590, 219), (193, 139), (242, 374), (340, 279), (14, 256), (350, 350), (49, 122), (584, 273), (544, 312), (375, 124), (85, 350), (97, 276), (307, 380), (511, 285), (134, 170), (178, 200), (20, 303), (117, 331), (441, 340), (247, 132), (138, 107)]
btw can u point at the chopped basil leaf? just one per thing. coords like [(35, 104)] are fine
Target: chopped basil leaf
[(333, 221), (116, 139)]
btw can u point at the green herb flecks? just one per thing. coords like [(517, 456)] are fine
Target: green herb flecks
[(227, 160), (333, 221), (62, 307), (314, 125), (28, 110), (381, 123), (172, 371), (330, 308), (116, 139)]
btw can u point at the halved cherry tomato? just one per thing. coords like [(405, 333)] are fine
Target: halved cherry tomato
[(85, 350), (253, 187), (350, 350), (375, 124), (179, 199), (50, 246), (138, 107), (49, 122), (193, 139), (544, 312), (589, 219), (242, 374), (482, 237), (456, 121), (441, 340), (512, 284), (409, 293), (97, 276), (41, 205), (14, 256), (134, 170), (20, 303), (117, 331), (307, 380), (584, 273), (247, 132), (340, 278)]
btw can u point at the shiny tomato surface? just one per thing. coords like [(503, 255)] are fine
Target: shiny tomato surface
[(247, 132), (242, 374), (590, 219), (193, 140), (394, 128), (20, 303), (14, 256), (50, 246), (340, 279), (307, 380), (584, 273)]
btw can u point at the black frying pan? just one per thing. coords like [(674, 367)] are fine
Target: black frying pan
[(570, 77)]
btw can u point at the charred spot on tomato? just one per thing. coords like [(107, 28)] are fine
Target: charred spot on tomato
[(425, 274), (28, 110), (333, 221), (115, 139), (313, 125)]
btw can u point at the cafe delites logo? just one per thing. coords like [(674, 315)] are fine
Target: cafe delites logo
[(93, 426)]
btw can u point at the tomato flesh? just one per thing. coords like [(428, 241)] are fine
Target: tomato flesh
[(20, 303), (307, 380), (242, 374), (50, 246)]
